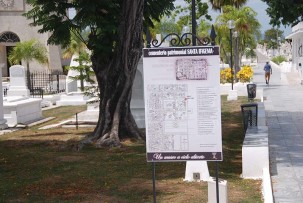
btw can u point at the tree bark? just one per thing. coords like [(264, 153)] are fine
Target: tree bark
[(115, 76)]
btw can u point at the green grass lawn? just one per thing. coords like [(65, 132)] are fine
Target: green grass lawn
[(43, 166)]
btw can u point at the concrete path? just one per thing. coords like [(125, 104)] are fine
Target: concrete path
[(284, 111)]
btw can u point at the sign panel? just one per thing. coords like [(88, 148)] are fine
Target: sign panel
[(182, 104)]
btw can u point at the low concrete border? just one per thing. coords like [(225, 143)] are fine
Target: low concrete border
[(255, 154)]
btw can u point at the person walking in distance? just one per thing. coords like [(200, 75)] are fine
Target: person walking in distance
[(268, 72)]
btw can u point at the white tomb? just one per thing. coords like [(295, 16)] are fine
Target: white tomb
[(18, 86), (73, 99), (18, 108)]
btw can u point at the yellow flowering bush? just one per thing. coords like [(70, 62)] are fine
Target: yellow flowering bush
[(225, 75), (245, 74)]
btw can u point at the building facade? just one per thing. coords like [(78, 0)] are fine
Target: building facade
[(296, 38), (15, 28)]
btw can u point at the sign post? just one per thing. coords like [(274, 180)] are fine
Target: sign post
[(182, 104)]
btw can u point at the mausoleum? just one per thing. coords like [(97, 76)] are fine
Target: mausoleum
[(15, 28)]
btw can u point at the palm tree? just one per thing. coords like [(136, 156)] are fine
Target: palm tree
[(27, 51), (76, 46), (246, 24), (218, 4), (238, 3)]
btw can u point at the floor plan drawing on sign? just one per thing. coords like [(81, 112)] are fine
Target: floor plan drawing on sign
[(168, 116)]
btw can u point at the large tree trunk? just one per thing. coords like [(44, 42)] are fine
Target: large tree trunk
[(115, 78)]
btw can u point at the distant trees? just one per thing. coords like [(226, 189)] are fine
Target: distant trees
[(186, 13), (174, 24), (246, 25), (271, 38)]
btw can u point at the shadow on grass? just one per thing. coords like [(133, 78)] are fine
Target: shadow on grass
[(47, 169)]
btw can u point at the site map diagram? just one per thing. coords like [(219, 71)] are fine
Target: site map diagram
[(182, 103), (191, 69), (167, 114)]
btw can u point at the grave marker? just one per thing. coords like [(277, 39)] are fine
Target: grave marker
[(18, 86)]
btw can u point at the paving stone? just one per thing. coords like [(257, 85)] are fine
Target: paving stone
[(284, 114)]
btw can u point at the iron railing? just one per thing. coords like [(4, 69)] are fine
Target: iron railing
[(49, 82)]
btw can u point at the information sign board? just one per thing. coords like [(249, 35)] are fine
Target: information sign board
[(182, 104)]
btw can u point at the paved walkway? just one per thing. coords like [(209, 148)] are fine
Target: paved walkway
[(284, 112)]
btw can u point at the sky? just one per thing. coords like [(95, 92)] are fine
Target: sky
[(258, 6)]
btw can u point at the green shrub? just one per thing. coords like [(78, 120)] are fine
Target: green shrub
[(279, 59)]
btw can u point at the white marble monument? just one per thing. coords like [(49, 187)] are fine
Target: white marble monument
[(18, 85), (137, 102), (18, 108), (71, 84)]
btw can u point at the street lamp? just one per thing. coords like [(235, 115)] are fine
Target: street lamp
[(236, 59), (185, 29), (193, 21), (231, 26)]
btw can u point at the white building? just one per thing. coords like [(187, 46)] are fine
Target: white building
[(297, 48), (15, 28)]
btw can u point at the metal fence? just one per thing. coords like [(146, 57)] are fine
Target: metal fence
[(47, 81), (44, 82)]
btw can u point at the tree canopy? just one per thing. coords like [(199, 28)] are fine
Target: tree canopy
[(272, 38), (101, 18), (185, 13), (285, 12), (115, 39), (181, 16)]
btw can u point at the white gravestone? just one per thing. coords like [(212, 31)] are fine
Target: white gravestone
[(3, 124), (137, 101), (71, 84), (18, 85)]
